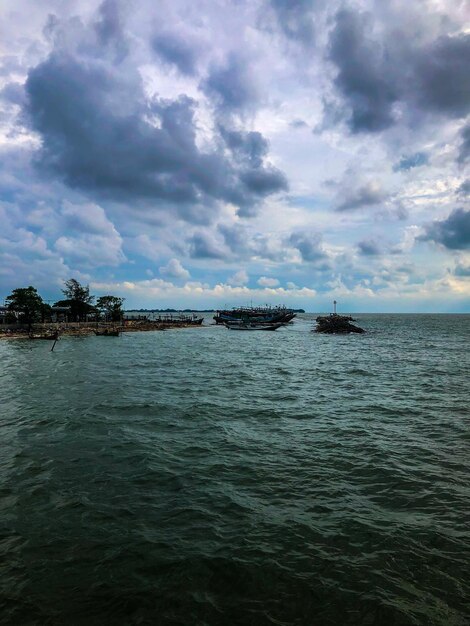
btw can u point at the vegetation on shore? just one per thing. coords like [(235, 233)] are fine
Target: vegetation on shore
[(26, 306)]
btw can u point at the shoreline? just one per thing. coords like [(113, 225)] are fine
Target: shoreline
[(87, 330)]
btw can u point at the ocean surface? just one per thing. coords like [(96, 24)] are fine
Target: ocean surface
[(205, 476)]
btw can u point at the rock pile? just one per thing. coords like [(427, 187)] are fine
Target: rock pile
[(335, 323)]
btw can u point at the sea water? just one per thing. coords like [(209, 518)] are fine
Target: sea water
[(209, 476)]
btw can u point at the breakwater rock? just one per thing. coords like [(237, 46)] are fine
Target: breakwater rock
[(336, 324)]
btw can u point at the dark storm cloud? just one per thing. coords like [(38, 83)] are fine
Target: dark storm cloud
[(265, 181), (369, 247), (377, 74), (442, 76), (231, 84), (100, 134), (175, 50), (464, 151), (409, 162), (364, 75), (295, 18), (452, 233), (250, 147), (257, 178), (94, 146)]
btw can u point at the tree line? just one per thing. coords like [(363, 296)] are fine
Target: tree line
[(27, 306)]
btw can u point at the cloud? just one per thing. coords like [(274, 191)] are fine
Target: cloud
[(148, 290), (452, 233), (85, 218), (407, 163), (174, 269), (464, 188), (462, 270), (264, 181), (13, 93), (175, 49), (91, 251), (102, 134), (464, 151), (298, 123), (383, 73), (244, 243), (365, 195), (95, 135), (369, 247), (239, 278), (442, 76), (236, 238), (364, 75), (249, 147), (231, 84), (109, 28), (203, 246), (265, 281), (309, 245), (157, 131), (258, 178), (296, 19)]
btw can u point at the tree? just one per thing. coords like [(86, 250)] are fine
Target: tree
[(74, 291), (111, 306), (78, 299), (27, 303)]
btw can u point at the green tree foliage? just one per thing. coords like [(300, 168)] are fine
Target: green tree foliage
[(111, 307), (78, 299), (27, 303), (74, 291)]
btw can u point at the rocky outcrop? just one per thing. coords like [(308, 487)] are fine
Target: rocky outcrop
[(336, 324)]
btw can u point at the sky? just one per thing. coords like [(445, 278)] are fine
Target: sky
[(212, 153)]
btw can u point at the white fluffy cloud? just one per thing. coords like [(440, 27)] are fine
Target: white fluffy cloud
[(239, 278), (265, 281), (174, 269)]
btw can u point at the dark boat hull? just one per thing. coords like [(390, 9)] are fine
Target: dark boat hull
[(253, 326)]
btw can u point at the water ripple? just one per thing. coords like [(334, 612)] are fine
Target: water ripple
[(203, 477)]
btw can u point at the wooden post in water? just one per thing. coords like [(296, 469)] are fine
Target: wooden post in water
[(55, 341)]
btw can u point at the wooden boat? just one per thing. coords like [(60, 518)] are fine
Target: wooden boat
[(252, 326), (197, 321), (269, 315), (108, 332), (48, 336)]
